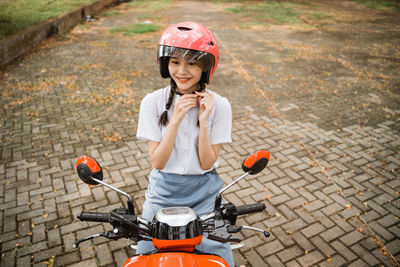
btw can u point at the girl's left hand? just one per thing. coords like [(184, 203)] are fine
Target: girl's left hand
[(206, 104)]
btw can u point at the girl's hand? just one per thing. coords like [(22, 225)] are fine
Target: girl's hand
[(206, 104), (182, 105)]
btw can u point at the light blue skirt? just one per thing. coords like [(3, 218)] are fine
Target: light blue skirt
[(195, 191)]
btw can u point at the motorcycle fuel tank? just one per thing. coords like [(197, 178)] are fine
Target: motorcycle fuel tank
[(175, 259)]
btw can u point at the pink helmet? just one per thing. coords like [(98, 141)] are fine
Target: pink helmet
[(191, 41)]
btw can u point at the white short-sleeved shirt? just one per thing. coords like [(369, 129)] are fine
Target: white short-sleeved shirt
[(184, 159)]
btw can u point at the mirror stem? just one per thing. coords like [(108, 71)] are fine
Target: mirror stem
[(131, 206), (218, 198), (113, 188), (234, 182)]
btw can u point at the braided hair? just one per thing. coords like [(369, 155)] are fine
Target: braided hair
[(163, 121)]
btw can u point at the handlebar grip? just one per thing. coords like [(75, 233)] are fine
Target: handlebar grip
[(245, 209), (94, 216)]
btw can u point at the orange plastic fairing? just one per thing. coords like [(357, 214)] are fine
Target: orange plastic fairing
[(253, 158), (177, 245), (175, 259)]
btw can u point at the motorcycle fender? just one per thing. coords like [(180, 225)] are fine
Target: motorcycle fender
[(175, 259)]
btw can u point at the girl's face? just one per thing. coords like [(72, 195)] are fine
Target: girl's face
[(186, 74)]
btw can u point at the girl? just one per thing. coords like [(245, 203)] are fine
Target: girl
[(184, 126)]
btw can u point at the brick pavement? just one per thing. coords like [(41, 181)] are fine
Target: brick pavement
[(318, 212), (332, 195)]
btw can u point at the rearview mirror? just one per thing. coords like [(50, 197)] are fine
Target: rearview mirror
[(89, 168), (256, 162)]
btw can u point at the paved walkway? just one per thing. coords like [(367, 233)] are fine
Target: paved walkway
[(323, 100)]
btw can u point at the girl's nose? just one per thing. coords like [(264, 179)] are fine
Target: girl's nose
[(182, 68)]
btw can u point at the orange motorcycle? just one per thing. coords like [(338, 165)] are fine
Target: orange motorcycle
[(174, 231)]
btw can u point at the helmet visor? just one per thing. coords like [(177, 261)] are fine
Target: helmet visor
[(203, 59)]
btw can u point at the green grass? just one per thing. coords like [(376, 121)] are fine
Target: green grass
[(155, 5), (148, 17), (226, 1), (137, 28), (19, 14), (276, 11), (388, 5), (249, 25), (109, 13)]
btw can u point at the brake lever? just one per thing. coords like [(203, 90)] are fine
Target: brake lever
[(108, 235), (266, 233)]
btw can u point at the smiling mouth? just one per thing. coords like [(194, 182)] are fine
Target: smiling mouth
[(183, 80)]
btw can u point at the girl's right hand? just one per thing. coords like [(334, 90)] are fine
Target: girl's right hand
[(182, 105)]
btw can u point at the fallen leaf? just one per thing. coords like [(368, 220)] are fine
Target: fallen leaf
[(50, 263)]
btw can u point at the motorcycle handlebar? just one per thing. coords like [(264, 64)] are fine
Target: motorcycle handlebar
[(245, 209), (94, 216)]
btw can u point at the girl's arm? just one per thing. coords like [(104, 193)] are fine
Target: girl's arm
[(208, 153), (161, 151)]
